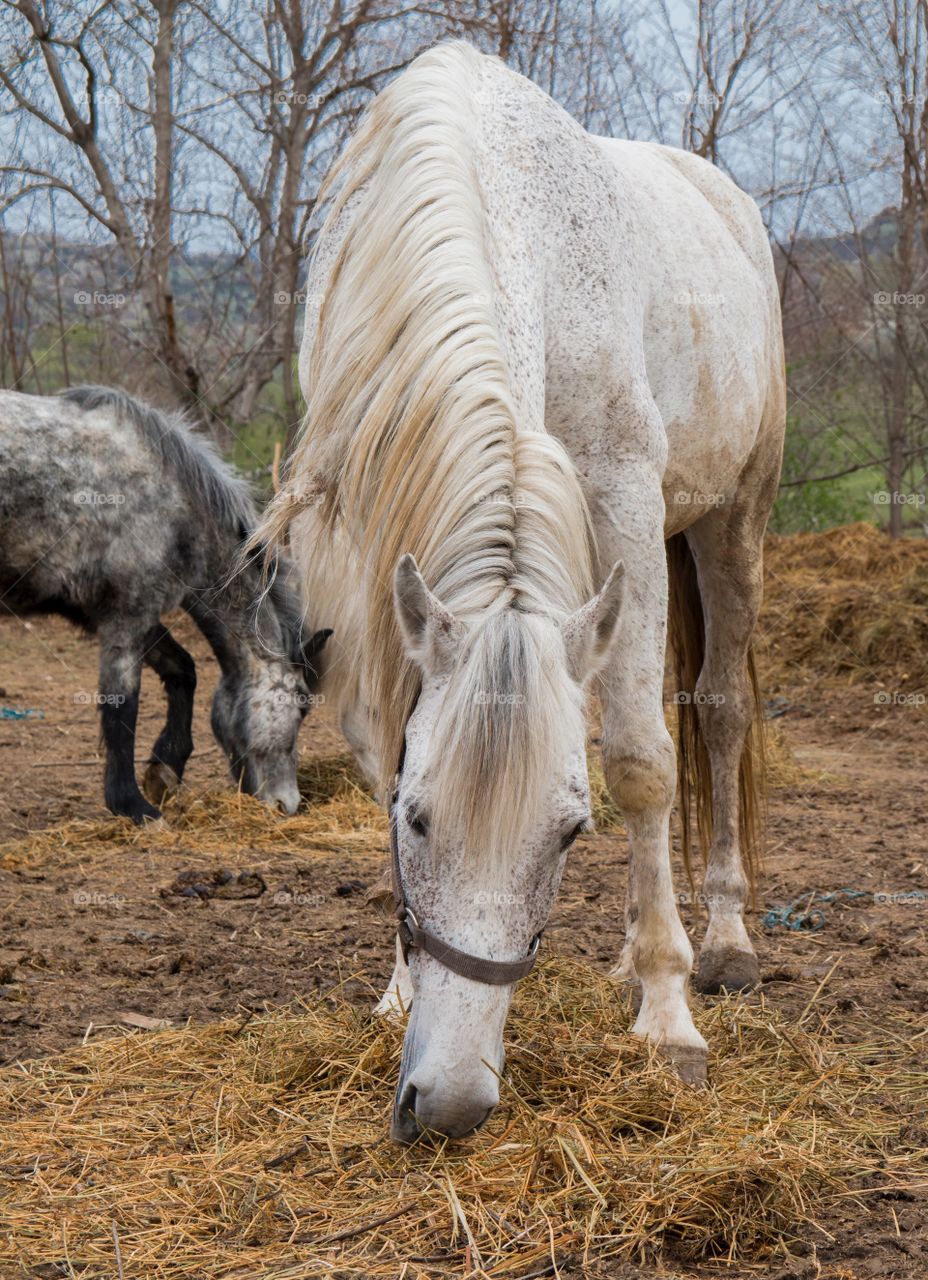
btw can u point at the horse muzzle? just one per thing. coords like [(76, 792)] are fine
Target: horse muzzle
[(440, 1109)]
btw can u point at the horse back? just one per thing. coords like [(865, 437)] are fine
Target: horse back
[(636, 297), (88, 521)]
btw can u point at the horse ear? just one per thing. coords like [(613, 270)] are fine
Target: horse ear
[(589, 633), (430, 631), (311, 649)]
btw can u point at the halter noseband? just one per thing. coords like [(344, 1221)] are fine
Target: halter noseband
[(495, 973)]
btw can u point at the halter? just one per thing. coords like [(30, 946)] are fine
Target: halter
[(494, 973)]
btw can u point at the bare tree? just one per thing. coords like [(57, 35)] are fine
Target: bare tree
[(223, 146), (61, 81), (857, 318)]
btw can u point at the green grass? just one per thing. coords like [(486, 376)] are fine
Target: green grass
[(833, 432)]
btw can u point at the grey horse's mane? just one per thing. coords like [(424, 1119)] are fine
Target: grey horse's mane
[(199, 467), (192, 458)]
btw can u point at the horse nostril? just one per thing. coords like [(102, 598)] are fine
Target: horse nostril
[(487, 1114), (405, 1126)]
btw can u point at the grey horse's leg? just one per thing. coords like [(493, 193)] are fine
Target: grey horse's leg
[(120, 672), (178, 674)]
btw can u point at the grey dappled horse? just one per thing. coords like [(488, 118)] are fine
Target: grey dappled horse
[(112, 514)]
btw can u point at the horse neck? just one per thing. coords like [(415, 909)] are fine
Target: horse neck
[(226, 616)]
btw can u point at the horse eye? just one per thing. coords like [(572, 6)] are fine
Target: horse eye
[(577, 831), (418, 822)]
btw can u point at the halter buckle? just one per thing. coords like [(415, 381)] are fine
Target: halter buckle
[(405, 934)]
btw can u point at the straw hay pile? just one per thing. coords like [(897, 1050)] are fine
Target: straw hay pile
[(259, 1148), (850, 602), (338, 814)]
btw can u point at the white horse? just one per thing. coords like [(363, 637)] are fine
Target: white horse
[(530, 357)]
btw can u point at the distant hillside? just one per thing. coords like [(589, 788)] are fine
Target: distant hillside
[(94, 279)]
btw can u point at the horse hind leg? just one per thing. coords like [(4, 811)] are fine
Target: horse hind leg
[(177, 672), (727, 547)]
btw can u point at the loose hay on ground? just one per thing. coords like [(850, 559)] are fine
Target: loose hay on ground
[(337, 814), (849, 602), (254, 1148)]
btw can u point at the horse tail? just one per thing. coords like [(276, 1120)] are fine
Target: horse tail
[(688, 642)]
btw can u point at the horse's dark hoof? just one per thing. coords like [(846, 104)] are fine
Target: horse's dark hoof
[(160, 781), (727, 971), (690, 1063), (137, 810)]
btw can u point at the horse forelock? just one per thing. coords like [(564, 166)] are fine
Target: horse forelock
[(498, 743)]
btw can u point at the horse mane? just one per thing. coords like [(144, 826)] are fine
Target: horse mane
[(411, 444), (331, 576), (219, 493), (192, 458)]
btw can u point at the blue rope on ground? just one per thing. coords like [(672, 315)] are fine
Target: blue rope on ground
[(802, 915), (13, 713)]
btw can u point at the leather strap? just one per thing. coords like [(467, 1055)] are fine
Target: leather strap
[(495, 973)]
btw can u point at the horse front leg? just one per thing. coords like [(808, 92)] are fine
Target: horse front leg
[(397, 999), (178, 674), (640, 768), (120, 675)]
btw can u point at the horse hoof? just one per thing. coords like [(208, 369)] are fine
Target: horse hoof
[(140, 814), (690, 1064), (160, 781), (727, 971)]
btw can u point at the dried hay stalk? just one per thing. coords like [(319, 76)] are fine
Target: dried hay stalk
[(239, 1151)]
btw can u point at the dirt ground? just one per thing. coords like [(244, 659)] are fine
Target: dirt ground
[(81, 945)]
